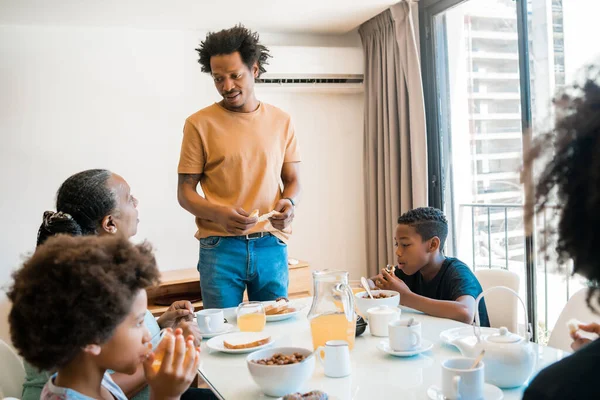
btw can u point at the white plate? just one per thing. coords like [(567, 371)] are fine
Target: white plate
[(450, 335), (216, 343), (227, 328), (490, 392), (281, 317), (384, 346)]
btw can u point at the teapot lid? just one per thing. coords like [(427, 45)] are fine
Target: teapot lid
[(504, 336)]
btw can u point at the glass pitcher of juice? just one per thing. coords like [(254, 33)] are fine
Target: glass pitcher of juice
[(331, 314)]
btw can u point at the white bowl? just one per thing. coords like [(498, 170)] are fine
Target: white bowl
[(364, 303), (279, 380)]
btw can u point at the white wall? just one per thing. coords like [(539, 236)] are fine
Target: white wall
[(116, 98)]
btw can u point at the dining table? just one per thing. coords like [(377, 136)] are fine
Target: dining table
[(375, 375)]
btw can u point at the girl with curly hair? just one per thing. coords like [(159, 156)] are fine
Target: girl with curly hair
[(78, 306)]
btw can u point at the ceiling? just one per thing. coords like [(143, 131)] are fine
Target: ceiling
[(277, 16)]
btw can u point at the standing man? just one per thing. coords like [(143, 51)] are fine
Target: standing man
[(244, 153)]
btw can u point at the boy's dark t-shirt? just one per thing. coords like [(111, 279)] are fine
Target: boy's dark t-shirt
[(574, 377), (453, 280)]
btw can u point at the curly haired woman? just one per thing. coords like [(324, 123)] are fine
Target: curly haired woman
[(573, 173)]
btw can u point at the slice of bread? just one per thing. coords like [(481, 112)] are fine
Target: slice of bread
[(573, 325), (249, 345), (266, 216), (288, 310), (277, 308)]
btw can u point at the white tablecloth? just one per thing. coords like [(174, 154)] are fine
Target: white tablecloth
[(375, 375)]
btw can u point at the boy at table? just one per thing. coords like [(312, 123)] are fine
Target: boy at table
[(427, 280)]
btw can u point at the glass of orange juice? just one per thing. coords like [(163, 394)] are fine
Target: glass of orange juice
[(251, 316)]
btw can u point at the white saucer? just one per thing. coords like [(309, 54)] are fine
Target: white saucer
[(227, 327), (466, 332), (490, 392), (216, 343), (384, 346)]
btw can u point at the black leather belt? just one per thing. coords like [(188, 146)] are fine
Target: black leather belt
[(255, 235)]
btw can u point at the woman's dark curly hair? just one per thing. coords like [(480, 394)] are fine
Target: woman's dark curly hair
[(228, 41), (74, 291), (572, 173)]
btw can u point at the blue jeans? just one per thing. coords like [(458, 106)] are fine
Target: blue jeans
[(229, 264)]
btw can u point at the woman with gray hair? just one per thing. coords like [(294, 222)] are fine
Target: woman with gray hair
[(99, 202)]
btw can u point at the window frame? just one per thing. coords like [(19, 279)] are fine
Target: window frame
[(436, 113)]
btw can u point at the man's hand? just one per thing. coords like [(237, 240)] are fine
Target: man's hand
[(190, 329), (578, 341), (235, 220), (284, 215), (387, 281), (179, 310)]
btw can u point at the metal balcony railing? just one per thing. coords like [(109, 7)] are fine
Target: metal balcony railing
[(498, 241)]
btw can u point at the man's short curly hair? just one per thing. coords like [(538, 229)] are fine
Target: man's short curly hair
[(74, 291), (572, 172), (228, 41), (428, 222)]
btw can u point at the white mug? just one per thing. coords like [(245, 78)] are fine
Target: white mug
[(380, 317), (459, 381), (337, 358), (210, 320), (404, 337)]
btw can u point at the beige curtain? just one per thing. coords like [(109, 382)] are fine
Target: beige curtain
[(395, 136)]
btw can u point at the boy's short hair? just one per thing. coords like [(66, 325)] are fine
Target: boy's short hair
[(74, 291), (428, 222)]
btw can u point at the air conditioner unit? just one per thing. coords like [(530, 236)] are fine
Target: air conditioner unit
[(314, 69)]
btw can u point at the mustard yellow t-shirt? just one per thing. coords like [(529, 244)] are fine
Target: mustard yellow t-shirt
[(240, 157)]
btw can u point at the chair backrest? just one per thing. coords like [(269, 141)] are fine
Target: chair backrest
[(502, 307), (13, 372), (576, 308)]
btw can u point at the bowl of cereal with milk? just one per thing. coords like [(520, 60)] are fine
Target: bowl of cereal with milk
[(281, 370), (380, 298)]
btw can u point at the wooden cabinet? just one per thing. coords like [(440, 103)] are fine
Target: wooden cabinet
[(186, 282), (300, 281)]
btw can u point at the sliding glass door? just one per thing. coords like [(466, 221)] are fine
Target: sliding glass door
[(490, 71)]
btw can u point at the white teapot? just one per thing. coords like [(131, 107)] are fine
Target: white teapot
[(509, 358)]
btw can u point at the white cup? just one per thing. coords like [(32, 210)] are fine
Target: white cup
[(380, 318), (210, 320), (404, 337), (337, 358), (459, 381)]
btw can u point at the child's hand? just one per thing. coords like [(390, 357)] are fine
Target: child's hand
[(190, 329), (179, 361), (387, 281), (578, 340)]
